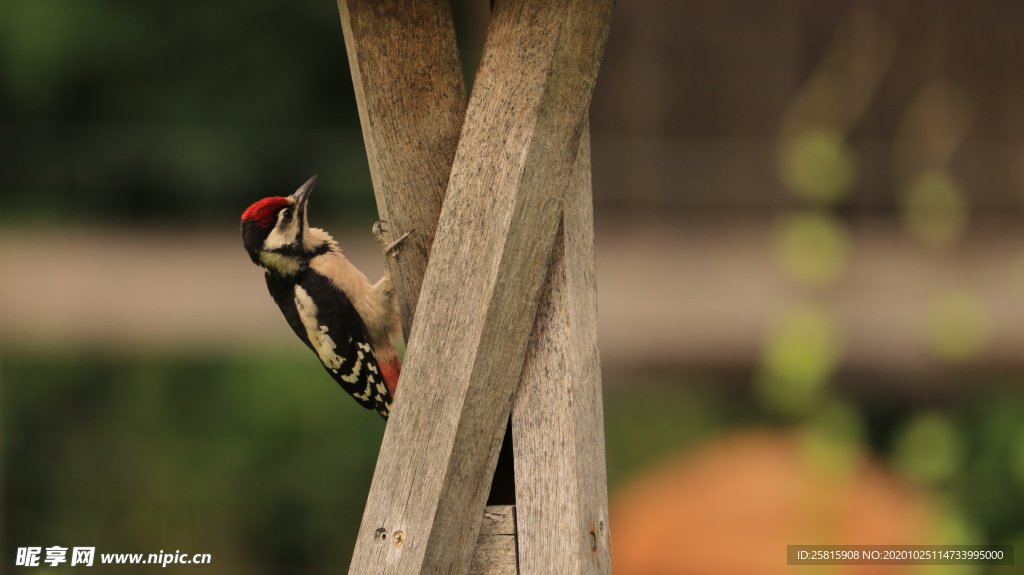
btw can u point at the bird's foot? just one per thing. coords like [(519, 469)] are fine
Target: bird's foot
[(390, 250), (378, 232)]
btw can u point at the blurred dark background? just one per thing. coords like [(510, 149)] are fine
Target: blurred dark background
[(810, 266)]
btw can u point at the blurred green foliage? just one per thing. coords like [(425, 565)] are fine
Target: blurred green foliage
[(640, 432), (813, 248), (818, 164), (985, 486), (967, 454), (801, 352), (929, 448), (264, 463), (183, 111)]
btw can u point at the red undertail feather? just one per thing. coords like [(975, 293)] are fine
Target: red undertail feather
[(390, 366), (390, 370)]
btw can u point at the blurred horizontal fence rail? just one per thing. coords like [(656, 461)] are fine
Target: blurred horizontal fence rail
[(673, 294)]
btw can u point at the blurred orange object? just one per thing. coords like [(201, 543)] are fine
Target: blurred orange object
[(734, 506)]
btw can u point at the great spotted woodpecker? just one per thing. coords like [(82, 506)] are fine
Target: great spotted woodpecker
[(330, 304)]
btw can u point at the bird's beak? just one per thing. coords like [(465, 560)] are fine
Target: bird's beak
[(302, 194)]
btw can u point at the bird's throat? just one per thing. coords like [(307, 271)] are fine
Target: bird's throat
[(281, 264)]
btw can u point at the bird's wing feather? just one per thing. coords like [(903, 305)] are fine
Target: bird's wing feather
[(283, 292), (326, 321)]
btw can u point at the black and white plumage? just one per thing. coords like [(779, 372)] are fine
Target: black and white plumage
[(333, 308)]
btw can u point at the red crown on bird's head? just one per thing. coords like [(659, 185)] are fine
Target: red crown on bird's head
[(262, 212)]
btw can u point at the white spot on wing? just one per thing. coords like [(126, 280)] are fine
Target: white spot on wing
[(356, 369), (365, 395)]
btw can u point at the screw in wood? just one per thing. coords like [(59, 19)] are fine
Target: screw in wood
[(399, 538)]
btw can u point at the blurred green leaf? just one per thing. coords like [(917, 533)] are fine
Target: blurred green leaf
[(263, 462), (930, 448), (799, 356)]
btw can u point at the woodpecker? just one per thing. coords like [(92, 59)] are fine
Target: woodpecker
[(347, 321)]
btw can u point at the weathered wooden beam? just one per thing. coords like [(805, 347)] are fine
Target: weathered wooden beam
[(557, 419), (477, 305), (411, 95), (495, 552)]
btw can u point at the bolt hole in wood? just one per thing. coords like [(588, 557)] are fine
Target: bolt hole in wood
[(380, 535)]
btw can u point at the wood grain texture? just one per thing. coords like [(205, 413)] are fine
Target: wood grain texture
[(495, 552), (494, 555), (557, 419), (411, 95), (479, 297), (499, 520)]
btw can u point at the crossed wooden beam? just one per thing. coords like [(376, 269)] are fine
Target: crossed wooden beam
[(497, 288)]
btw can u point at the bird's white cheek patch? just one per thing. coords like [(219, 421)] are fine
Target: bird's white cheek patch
[(281, 236), (317, 334)]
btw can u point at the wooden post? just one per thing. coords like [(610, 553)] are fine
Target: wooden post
[(557, 420), (412, 98), (520, 162)]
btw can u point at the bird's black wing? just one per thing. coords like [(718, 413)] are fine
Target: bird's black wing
[(282, 289), (326, 321)]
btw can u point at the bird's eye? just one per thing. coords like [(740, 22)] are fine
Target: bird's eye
[(286, 213)]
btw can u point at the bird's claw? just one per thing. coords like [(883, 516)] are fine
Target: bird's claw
[(390, 250), (378, 232)]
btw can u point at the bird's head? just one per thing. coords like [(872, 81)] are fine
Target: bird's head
[(275, 231)]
